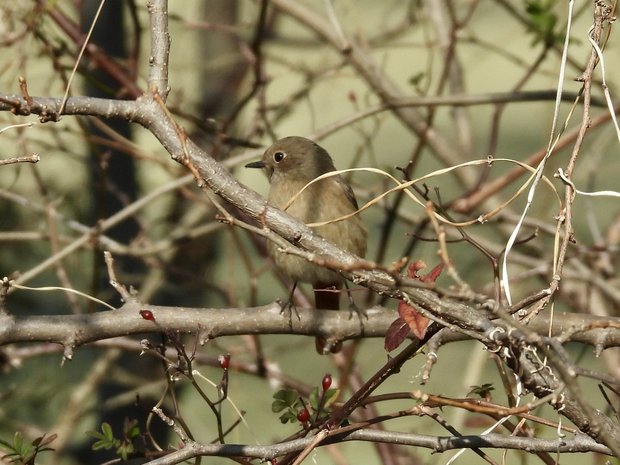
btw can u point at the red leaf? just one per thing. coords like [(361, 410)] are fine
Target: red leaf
[(432, 275), (418, 265), (410, 319), (396, 334), (414, 319), (414, 267)]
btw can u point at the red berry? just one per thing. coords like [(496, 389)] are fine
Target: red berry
[(327, 381), (224, 361), (147, 315), (303, 415)]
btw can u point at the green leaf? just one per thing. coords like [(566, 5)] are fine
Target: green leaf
[(482, 391), (98, 445), (25, 453), (288, 396), (330, 396), (131, 428), (133, 432), (124, 450), (107, 430), (277, 406), (18, 441), (28, 458), (42, 441), (313, 400), (11, 458), (106, 439), (285, 398), (543, 20), (5, 445), (416, 79), (288, 416), (95, 434)]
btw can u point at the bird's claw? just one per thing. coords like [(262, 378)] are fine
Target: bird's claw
[(288, 307), (360, 312)]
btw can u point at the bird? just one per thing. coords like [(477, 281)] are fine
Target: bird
[(290, 164)]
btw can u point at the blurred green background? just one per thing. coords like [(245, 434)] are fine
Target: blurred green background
[(309, 86)]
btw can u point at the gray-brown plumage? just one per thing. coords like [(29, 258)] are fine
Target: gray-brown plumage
[(290, 163)]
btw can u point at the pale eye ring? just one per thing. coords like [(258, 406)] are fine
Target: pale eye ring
[(279, 156)]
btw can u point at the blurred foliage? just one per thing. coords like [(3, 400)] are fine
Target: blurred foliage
[(19, 451), (123, 446)]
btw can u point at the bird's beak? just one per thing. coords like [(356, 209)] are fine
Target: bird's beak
[(256, 164)]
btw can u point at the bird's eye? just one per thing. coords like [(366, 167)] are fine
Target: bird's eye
[(278, 156)]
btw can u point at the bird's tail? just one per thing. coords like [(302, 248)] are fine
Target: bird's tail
[(327, 297)]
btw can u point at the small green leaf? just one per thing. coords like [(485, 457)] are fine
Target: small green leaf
[(288, 416), (95, 434), (98, 445), (314, 398), (543, 21), (28, 458), (18, 441), (133, 432), (43, 441), (330, 396), (105, 438), (416, 79), (277, 406), (107, 430), (124, 450), (288, 396), (285, 398), (482, 391), (131, 428), (5, 445)]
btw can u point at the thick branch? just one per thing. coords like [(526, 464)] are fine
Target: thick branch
[(76, 330), (579, 443)]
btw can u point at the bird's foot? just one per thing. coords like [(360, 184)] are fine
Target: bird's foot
[(360, 312), (287, 308)]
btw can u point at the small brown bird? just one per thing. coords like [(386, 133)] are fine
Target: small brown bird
[(291, 163)]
